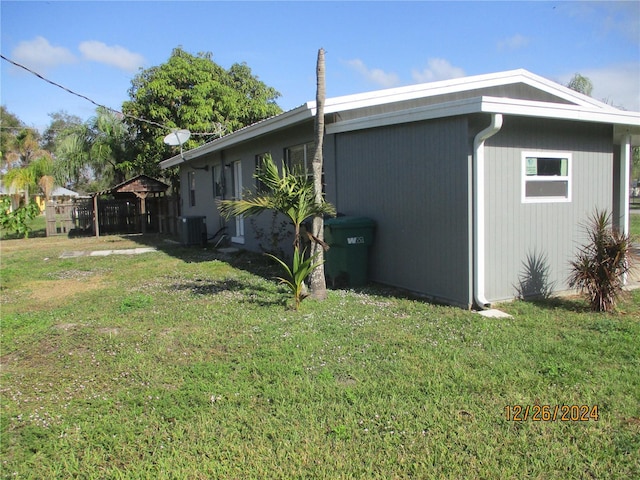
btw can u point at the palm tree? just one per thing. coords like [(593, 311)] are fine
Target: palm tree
[(100, 144), (28, 178), (291, 194)]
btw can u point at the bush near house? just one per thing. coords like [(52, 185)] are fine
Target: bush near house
[(601, 265), (183, 364)]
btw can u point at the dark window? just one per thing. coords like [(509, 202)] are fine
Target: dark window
[(191, 180), (260, 187), (217, 181)]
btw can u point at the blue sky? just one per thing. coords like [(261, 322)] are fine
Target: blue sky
[(95, 48)]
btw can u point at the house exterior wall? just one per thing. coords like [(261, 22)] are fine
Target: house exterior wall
[(548, 232), (258, 229), (412, 180)]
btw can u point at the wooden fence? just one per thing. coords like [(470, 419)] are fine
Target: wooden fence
[(114, 216)]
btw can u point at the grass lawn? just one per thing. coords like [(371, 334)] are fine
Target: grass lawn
[(634, 226), (183, 364)]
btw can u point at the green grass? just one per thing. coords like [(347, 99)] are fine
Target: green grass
[(634, 226), (183, 364)]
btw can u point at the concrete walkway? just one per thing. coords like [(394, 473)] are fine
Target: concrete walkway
[(104, 253)]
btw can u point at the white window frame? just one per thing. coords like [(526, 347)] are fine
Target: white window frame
[(525, 179), (307, 154)]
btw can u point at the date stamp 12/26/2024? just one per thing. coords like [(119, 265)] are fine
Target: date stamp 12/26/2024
[(551, 413)]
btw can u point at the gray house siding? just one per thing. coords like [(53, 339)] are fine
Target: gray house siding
[(551, 232), (258, 228), (518, 90), (412, 180)]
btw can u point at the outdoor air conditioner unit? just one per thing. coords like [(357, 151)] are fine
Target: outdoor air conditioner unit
[(193, 230)]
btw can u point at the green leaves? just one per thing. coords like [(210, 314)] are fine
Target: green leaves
[(193, 92), (292, 195), (288, 193), (295, 276), (17, 220)]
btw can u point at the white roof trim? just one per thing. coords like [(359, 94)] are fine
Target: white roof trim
[(444, 87), (291, 117), (581, 107), (506, 106)]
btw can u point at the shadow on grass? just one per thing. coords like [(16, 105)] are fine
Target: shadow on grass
[(570, 304), (259, 265), (8, 235), (251, 292)]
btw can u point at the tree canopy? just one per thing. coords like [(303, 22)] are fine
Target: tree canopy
[(192, 92), (581, 84)]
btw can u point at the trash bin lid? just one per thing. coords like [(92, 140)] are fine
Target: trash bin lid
[(349, 222)]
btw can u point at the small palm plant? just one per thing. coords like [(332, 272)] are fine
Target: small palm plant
[(601, 265), (290, 193), (295, 276)]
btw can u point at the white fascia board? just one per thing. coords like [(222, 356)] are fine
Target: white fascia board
[(422, 90), (489, 105), (561, 111), (297, 115), (444, 87), (561, 91), (440, 110)]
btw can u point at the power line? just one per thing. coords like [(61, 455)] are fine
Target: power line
[(84, 97)]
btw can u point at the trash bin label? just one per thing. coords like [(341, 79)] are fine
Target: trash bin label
[(355, 240)]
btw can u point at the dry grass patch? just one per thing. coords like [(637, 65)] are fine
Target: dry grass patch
[(47, 294)]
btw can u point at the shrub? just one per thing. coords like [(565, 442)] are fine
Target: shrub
[(17, 220), (601, 265)]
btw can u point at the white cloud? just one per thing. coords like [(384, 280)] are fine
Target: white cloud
[(616, 84), (40, 55), (608, 17), (375, 75), (513, 43), (115, 55), (437, 69)]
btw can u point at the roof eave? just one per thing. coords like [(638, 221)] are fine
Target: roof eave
[(292, 117), (491, 105)]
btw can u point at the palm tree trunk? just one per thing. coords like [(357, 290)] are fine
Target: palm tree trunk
[(318, 283)]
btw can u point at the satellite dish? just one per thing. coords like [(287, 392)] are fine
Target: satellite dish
[(177, 137)]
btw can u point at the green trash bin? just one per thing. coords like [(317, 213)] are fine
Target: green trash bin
[(347, 260)]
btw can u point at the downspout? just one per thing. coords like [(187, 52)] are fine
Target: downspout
[(625, 164), (478, 209)]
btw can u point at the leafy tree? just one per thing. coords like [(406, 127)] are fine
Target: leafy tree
[(581, 84), (10, 126), (61, 123), (22, 148), (192, 92), (291, 194)]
